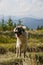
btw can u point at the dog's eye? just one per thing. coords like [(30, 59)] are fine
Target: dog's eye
[(16, 28)]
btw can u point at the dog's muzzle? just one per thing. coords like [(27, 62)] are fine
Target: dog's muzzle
[(15, 31)]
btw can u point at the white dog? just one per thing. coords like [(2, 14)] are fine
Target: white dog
[(21, 35)]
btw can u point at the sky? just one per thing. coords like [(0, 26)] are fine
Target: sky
[(27, 8)]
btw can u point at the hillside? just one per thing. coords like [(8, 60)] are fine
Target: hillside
[(32, 23)]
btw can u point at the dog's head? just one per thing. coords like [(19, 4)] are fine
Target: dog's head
[(19, 30)]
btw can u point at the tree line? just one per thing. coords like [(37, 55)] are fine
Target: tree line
[(40, 28), (10, 25)]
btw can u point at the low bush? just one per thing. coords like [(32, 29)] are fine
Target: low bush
[(3, 50), (12, 49), (7, 48), (39, 58)]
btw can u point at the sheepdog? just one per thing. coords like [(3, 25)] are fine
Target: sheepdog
[(22, 38)]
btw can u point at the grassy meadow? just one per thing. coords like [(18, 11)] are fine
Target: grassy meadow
[(34, 49)]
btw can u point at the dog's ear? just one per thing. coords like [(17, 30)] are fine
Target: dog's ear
[(24, 27)]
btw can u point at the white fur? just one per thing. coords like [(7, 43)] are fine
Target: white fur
[(18, 42)]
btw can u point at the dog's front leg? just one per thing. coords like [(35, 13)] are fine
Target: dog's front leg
[(20, 51), (17, 52)]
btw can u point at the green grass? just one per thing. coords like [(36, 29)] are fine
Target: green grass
[(8, 43), (6, 39), (4, 48)]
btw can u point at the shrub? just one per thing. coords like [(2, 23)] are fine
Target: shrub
[(3, 50), (39, 58), (12, 49)]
